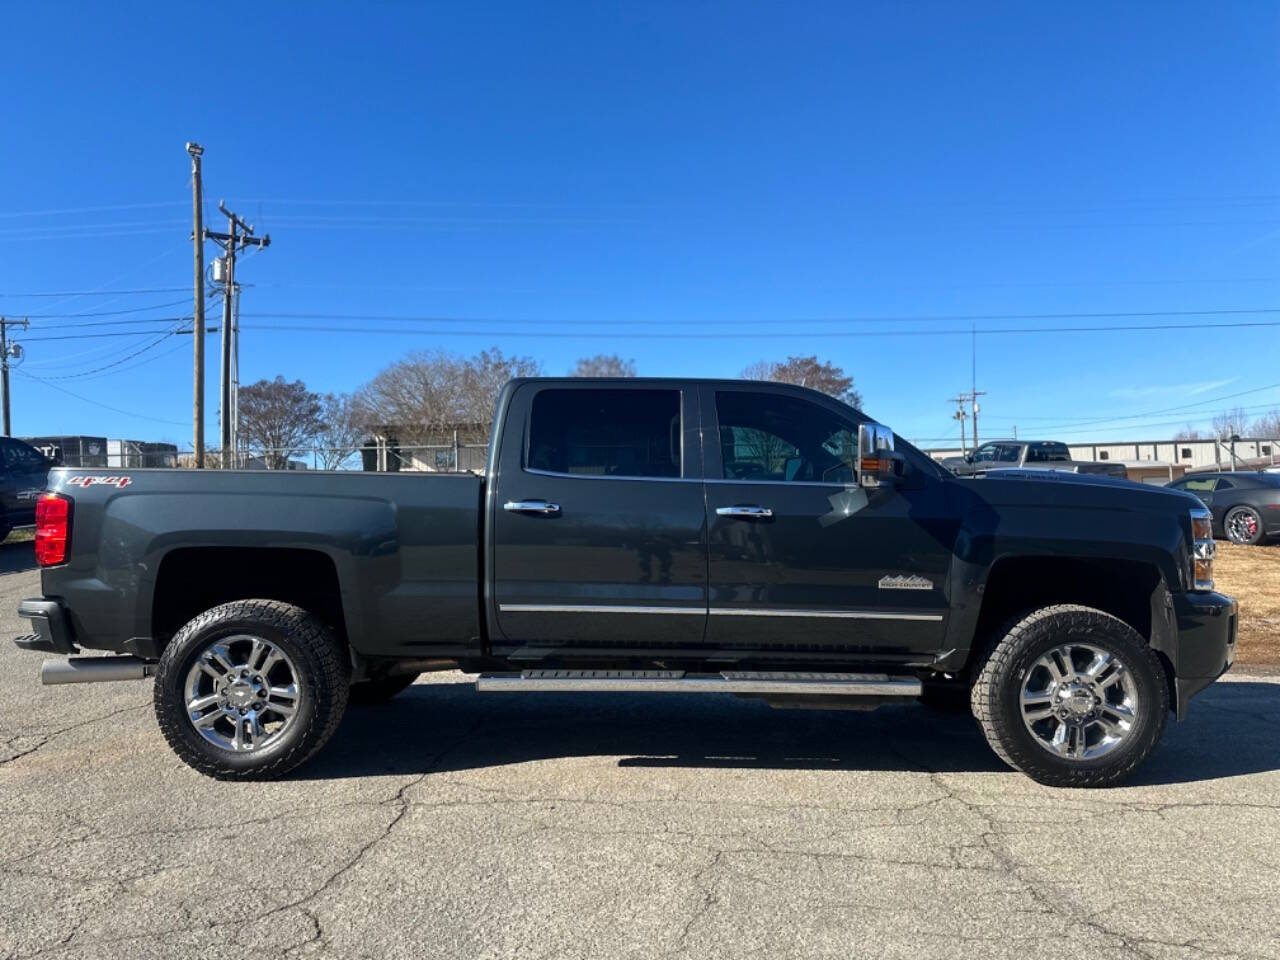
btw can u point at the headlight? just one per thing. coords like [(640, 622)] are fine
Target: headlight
[(1203, 549)]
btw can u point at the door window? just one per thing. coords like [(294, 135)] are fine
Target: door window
[(773, 438), (985, 453), (1203, 486), (1008, 453), (606, 433)]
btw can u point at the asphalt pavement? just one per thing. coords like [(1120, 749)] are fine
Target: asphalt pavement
[(455, 824)]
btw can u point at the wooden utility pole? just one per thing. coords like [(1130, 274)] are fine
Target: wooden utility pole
[(238, 236), (197, 327), (8, 350)]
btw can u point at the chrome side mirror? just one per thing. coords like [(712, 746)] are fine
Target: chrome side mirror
[(877, 461)]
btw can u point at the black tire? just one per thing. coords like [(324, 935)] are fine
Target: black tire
[(324, 677), (370, 693), (997, 695), (1239, 518)]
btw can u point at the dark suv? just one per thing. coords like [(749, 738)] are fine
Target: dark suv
[(1245, 505), (24, 473)]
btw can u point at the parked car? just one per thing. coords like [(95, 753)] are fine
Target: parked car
[(24, 474), (1026, 455), (1245, 505), (665, 536)]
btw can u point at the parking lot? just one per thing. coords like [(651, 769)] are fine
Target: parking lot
[(453, 824)]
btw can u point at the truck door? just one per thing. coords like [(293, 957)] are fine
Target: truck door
[(598, 522), (800, 561)]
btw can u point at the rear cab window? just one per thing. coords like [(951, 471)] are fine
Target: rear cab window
[(606, 433)]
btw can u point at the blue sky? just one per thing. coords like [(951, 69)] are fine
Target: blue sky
[(693, 185)]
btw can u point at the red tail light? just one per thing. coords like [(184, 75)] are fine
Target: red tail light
[(53, 529)]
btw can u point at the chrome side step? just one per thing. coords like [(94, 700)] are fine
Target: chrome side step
[(677, 681)]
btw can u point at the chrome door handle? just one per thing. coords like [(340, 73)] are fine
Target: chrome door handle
[(540, 507), (745, 512)]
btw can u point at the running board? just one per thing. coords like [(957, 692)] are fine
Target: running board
[(677, 681)]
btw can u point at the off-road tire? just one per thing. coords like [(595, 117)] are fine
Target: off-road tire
[(324, 680), (1257, 529), (371, 693), (996, 695)]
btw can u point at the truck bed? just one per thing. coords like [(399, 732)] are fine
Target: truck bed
[(405, 548)]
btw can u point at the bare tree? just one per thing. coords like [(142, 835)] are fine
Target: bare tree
[(807, 372), (1190, 433), (427, 392), (340, 434), (279, 418), (604, 365), (1230, 423), (1267, 425)]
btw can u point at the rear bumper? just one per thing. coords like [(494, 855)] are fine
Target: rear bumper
[(1206, 646), (51, 627)]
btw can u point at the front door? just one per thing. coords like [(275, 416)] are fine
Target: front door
[(801, 560), (599, 524)]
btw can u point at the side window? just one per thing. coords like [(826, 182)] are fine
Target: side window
[(22, 457), (1203, 486), (1224, 484), (606, 433), (1008, 453), (985, 453), (775, 438)]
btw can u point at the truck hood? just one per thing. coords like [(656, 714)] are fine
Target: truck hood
[(1062, 489)]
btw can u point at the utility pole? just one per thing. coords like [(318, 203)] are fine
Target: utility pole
[(238, 236), (973, 399), (197, 328), (7, 350), (960, 415)]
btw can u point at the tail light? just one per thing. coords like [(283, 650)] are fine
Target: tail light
[(53, 529)]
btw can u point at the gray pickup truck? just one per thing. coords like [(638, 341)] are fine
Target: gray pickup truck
[(668, 536), (1026, 455)]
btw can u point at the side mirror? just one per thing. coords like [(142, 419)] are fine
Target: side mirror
[(878, 463)]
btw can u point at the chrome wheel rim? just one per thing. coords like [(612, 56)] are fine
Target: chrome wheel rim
[(1079, 702), (242, 693), (1242, 526)]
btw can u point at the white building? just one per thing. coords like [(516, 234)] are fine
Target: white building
[(1183, 455)]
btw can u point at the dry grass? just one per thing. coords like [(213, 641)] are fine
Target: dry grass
[(18, 536), (1252, 576)]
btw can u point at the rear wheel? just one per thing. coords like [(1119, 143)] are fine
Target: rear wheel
[(1243, 525), (368, 693), (250, 689), (1072, 697)]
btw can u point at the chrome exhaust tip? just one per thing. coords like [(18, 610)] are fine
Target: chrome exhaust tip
[(94, 670)]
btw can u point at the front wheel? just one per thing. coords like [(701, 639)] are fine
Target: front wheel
[(1072, 697), (250, 689)]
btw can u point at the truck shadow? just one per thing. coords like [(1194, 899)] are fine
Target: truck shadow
[(441, 727), (17, 557)]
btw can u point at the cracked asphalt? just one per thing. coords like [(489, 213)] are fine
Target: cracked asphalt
[(454, 824)]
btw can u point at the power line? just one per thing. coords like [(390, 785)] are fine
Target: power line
[(96, 403), (923, 318), (114, 363), (93, 293), (788, 333), (106, 313)]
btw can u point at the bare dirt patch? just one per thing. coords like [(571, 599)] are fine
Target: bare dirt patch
[(1252, 576)]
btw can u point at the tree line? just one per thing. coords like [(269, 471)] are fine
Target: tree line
[(426, 395)]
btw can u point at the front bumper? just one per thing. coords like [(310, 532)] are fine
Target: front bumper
[(53, 633), (1206, 644)]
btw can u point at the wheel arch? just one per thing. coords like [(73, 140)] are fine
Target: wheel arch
[(190, 580)]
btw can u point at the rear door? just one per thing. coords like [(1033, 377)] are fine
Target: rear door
[(598, 521), (801, 561)]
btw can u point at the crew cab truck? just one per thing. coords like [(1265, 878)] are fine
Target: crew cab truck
[(1029, 455), (667, 536)]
